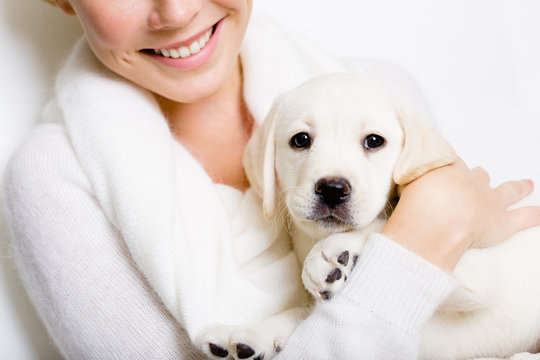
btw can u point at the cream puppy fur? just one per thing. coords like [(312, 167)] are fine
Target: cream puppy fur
[(328, 162)]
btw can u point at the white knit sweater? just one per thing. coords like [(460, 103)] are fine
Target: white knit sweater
[(120, 235)]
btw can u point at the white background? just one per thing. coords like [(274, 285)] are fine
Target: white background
[(478, 62)]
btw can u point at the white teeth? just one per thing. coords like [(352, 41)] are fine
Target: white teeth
[(174, 53), (184, 52), (194, 47), (188, 50)]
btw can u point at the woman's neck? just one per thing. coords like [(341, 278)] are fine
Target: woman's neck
[(215, 130)]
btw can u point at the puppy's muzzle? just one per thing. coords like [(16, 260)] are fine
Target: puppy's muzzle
[(333, 191)]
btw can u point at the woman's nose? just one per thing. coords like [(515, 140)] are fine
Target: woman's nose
[(169, 14)]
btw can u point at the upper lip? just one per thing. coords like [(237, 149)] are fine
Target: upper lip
[(188, 40)]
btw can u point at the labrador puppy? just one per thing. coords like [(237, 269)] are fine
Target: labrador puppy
[(328, 162)]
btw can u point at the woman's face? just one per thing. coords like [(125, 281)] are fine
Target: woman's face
[(183, 50)]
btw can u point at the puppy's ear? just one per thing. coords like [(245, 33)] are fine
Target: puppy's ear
[(65, 6), (424, 149), (259, 160)]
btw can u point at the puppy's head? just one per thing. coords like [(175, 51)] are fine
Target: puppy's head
[(333, 150)]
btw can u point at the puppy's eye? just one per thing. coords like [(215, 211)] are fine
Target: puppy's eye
[(300, 141), (373, 141)]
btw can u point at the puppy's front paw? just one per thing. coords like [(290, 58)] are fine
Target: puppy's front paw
[(329, 264), (236, 343), (257, 341), (215, 341)]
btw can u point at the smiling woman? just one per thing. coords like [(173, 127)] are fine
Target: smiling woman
[(142, 48), (126, 44), (143, 138)]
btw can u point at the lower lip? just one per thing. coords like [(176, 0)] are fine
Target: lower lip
[(333, 220), (193, 61)]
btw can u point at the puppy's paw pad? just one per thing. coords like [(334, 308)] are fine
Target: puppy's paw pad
[(343, 258), (244, 351), (218, 350), (325, 295), (333, 276), (251, 350)]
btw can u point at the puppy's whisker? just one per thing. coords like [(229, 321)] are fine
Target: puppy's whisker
[(282, 216), (388, 209), (278, 218), (281, 220)]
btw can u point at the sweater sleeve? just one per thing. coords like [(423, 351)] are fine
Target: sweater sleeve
[(380, 311), (75, 266)]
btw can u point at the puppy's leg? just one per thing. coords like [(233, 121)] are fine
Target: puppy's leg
[(479, 282), (267, 338), (257, 341), (330, 262)]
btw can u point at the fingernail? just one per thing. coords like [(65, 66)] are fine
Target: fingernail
[(530, 182)]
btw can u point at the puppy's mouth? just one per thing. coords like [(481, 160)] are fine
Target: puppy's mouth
[(331, 220)]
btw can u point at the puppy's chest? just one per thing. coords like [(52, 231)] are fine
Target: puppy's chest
[(256, 242)]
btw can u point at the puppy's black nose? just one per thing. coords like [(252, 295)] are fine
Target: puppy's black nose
[(333, 190)]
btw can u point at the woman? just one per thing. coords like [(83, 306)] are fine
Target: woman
[(103, 163)]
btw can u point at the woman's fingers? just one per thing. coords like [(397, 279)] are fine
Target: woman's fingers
[(513, 222), (481, 174), (523, 218), (512, 191)]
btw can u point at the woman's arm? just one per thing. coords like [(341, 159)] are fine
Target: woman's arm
[(96, 304), (76, 268)]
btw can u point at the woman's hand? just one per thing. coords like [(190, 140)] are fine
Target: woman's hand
[(451, 209)]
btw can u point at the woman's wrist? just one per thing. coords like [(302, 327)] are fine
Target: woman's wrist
[(421, 241)]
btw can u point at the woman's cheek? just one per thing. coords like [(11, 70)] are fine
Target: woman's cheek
[(235, 4), (108, 27)]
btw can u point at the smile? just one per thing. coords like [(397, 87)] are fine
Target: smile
[(189, 49), (190, 53)]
